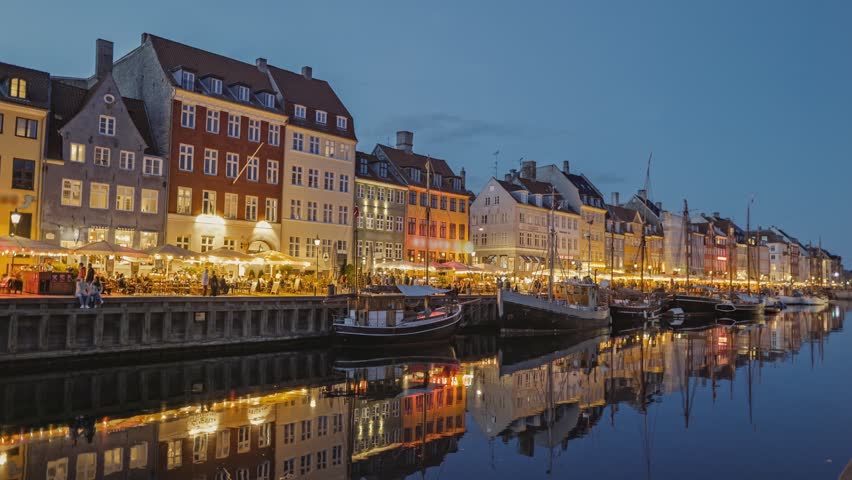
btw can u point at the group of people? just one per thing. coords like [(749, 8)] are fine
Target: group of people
[(89, 287), (216, 284)]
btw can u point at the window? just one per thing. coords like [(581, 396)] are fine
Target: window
[(361, 190), (208, 202), (414, 174), (305, 464), (462, 205), (295, 209), (263, 471), (242, 93), (271, 213), (199, 448), (397, 250), (369, 220), (78, 152), (184, 200), (272, 172), (326, 213), (363, 166), (124, 198), (232, 165), (443, 203), (296, 175), (312, 211), (306, 430), (251, 208), (187, 116), (253, 169), (289, 430), (383, 169), (254, 130), (187, 80), (329, 148), (343, 154), (343, 215), (313, 178), (336, 454), (72, 192), (231, 200), (342, 246), (244, 439), (343, 183), (57, 469), (300, 112), (342, 122), (185, 160), (26, 128), (113, 460), (18, 88), (321, 117), (371, 192), (153, 166), (106, 125), (150, 201), (274, 135), (264, 436), (99, 195), (412, 198), (87, 466), (215, 86), (102, 156), (233, 125), (182, 241), (322, 460), (206, 243), (314, 145), (452, 230), (452, 204), (213, 121), (399, 224), (433, 201), (126, 160), (381, 194), (461, 233), (294, 249), (328, 181), (211, 161)]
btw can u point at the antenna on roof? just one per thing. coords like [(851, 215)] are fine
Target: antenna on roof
[(496, 169)]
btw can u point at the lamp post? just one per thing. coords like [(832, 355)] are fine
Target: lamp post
[(316, 250), (16, 219)]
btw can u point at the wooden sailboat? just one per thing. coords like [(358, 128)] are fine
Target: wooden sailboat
[(738, 306), (689, 302), (567, 306)]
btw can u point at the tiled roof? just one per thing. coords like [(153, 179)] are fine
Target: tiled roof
[(38, 85), (404, 160), (588, 192), (537, 188), (393, 176), (653, 208), (67, 100), (314, 94), (173, 56), (622, 214)]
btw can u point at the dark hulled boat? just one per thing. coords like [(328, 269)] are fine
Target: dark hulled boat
[(572, 307)]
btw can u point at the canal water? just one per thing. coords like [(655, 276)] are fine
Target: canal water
[(764, 400)]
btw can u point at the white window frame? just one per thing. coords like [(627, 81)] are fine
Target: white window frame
[(300, 112), (106, 125), (272, 172), (232, 202), (274, 135), (150, 201), (187, 116), (184, 201), (199, 448), (321, 117), (232, 165), (264, 435), (174, 455), (212, 123), (126, 160), (234, 124), (101, 188), (253, 169), (254, 130), (123, 193), (251, 208), (211, 161), (186, 154), (187, 80), (223, 443), (271, 213), (342, 122), (153, 167), (244, 439), (102, 156), (72, 186), (113, 460), (208, 202)]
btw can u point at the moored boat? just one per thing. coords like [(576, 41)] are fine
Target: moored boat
[(740, 306), (800, 298), (573, 306)]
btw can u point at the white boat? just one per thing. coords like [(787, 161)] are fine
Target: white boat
[(799, 298)]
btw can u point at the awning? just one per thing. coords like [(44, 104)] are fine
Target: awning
[(532, 259)]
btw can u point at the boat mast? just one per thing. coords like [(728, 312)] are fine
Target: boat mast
[(748, 248), (757, 243), (552, 251), (428, 213), (731, 252), (642, 217), (686, 235)]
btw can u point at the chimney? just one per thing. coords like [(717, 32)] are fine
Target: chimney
[(405, 140), (307, 72), (103, 57), (261, 64), (566, 166), (615, 199), (513, 174), (508, 177), (528, 169), (463, 178)]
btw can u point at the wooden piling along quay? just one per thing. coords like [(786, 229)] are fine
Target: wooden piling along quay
[(37, 328)]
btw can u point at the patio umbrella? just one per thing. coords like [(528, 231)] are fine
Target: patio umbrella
[(27, 246), (171, 251), (107, 248), (460, 267), (400, 265), (492, 268), (273, 257), (225, 255)]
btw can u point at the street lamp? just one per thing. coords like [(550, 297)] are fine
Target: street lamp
[(316, 249), (16, 218)]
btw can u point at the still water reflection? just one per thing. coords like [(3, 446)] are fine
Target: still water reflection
[(755, 401)]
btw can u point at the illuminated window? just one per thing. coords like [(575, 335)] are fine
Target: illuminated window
[(99, 195), (102, 156), (150, 201), (244, 439), (271, 213), (272, 172), (251, 208), (184, 200), (72, 192), (231, 201), (113, 460), (124, 198), (78, 153), (208, 202), (18, 88)]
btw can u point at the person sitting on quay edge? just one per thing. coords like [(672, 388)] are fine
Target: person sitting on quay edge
[(82, 293), (223, 285), (214, 285), (95, 292)]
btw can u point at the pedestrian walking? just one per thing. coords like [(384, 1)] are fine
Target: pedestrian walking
[(205, 281)]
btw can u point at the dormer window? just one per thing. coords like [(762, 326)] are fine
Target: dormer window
[(300, 112), (457, 184), (18, 88), (342, 122), (436, 179), (321, 117), (242, 93), (214, 85), (383, 170), (414, 174), (363, 166), (187, 80), (268, 99)]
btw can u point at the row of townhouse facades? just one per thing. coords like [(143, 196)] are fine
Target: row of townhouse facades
[(512, 220), (175, 144)]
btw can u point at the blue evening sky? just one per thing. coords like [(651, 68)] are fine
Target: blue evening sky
[(733, 97)]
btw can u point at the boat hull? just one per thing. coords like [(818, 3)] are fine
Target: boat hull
[(694, 304), (422, 332), (523, 313), (740, 311), (804, 300)]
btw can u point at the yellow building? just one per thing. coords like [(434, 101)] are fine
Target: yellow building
[(448, 228), (24, 103)]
